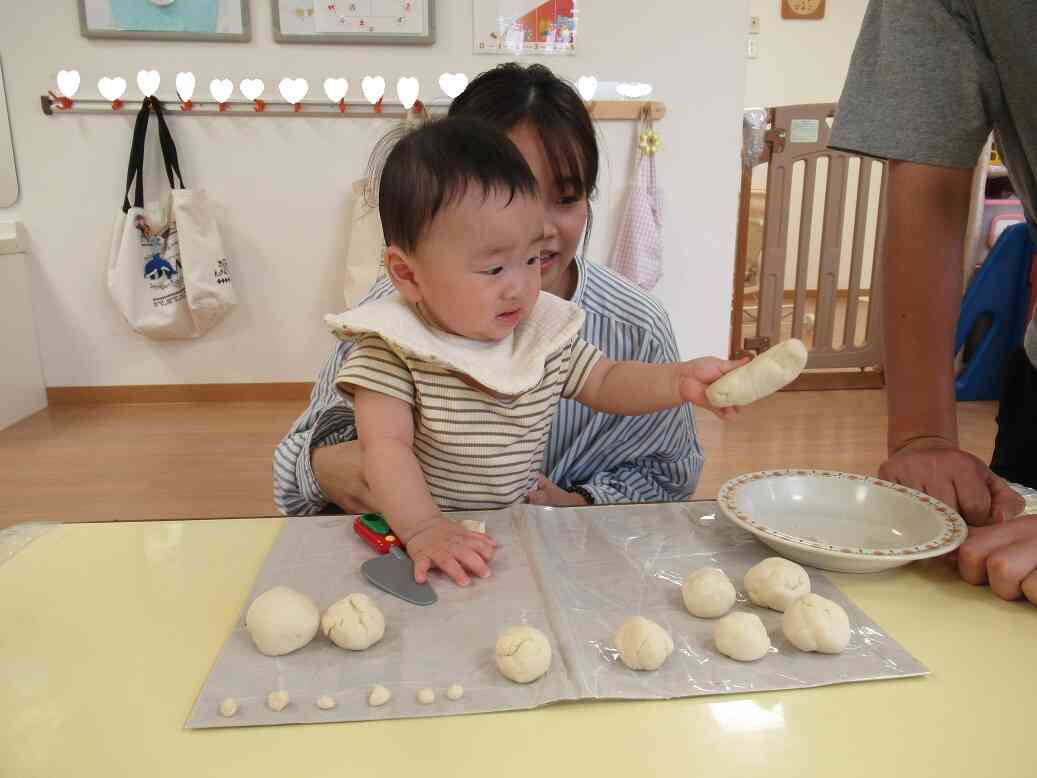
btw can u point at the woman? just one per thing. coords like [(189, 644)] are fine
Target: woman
[(591, 458)]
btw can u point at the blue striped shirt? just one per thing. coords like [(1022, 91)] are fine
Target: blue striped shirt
[(616, 458)]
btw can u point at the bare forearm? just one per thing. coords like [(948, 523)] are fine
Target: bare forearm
[(632, 388), (923, 282), (399, 487)]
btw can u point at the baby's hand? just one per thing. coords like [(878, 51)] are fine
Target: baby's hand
[(696, 375), (453, 549)]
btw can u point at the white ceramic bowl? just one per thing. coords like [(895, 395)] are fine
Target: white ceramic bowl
[(839, 521)]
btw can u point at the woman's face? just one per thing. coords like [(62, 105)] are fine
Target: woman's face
[(565, 216)]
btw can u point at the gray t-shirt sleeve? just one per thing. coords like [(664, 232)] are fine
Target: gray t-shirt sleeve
[(920, 86)]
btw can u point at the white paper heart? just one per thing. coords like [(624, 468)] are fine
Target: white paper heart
[(453, 84), (185, 84), (587, 86), (68, 82), (112, 89), (407, 89), (373, 88), (293, 90), (252, 88), (634, 90), (336, 88), (221, 89), (148, 81)]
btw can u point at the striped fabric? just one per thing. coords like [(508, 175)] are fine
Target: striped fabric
[(618, 459), (477, 452)]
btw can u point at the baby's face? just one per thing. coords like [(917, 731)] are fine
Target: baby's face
[(478, 264)]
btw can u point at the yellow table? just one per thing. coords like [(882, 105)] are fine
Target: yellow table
[(107, 632)]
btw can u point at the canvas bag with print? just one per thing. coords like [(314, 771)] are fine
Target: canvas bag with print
[(166, 255)]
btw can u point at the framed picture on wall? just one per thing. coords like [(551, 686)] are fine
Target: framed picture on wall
[(513, 27), (169, 20), (392, 22)]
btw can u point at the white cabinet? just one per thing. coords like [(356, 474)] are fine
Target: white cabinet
[(22, 392)]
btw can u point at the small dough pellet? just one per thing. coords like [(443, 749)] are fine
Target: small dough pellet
[(426, 696), (228, 707), (379, 696), (278, 701), (455, 692), (326, 702)]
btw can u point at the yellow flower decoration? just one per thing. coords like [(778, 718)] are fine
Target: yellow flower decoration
[(650, 142)]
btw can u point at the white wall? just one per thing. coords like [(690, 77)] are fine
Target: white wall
[(280, 185)]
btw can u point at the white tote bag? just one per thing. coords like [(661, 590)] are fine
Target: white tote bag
[(167, 272)]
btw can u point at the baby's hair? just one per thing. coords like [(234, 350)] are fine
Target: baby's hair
[(415, 173)]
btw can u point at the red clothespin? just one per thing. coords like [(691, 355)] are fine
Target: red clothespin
[(116, 105), (185, 105), (260, 106), (62, 103), (342, 105), (296, 107), (221, 107), (378, 105), (418, 107)]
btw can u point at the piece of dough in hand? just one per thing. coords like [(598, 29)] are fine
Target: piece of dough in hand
[(741, 636), (523, 654), (708, 593), (281, 620), (643, 644), (813, 623), (776, 583), (354, 622), (772, 370)]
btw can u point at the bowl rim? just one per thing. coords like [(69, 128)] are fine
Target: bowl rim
[(953, 535)]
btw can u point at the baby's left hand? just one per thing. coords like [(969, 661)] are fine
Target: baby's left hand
[(547, 492), (696, 375)]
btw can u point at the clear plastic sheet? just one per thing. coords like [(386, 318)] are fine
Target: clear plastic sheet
[(576, 574), (754, 132)]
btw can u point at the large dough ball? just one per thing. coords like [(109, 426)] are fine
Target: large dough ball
[(643, 644), (523, 654), (769, 372), (776, 583), (741, 636), (813, 623), (708, 593), (281, 620), (354, 622)]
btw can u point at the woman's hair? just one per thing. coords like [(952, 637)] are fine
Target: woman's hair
[(428, 168), (511, 94)]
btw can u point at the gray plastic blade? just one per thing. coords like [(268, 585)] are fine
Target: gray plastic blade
[(394, 573)]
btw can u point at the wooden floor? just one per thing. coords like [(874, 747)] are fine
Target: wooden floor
[(209, 460)]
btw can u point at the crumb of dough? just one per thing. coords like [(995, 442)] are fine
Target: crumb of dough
[(326, 702), (379, 696), (228, 707), (277, 701), (455, 692), (426, 696)]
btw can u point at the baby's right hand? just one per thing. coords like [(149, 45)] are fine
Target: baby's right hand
[(453, 549)]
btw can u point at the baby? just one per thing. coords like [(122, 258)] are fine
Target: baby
[(455, 377)]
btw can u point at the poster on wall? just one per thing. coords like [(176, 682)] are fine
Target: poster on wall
[(196, 20), (515, 27), (392, 22)]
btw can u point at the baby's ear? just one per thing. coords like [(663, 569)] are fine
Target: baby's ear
[(399, 266)]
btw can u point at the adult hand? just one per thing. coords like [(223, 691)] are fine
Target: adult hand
[(1005, 556), (955, 477), (339, 470), (547, 492)]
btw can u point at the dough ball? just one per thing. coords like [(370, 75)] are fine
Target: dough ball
[(708, 593), (455, 692), (228, 707), (523, 654), (426, 696), (643, 644), (776, 583), (281, 620), (326, 702), (474, 526), (769, 372), (813, 623), (354, 622), (278, 701), (741, 636), (379, 696)]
